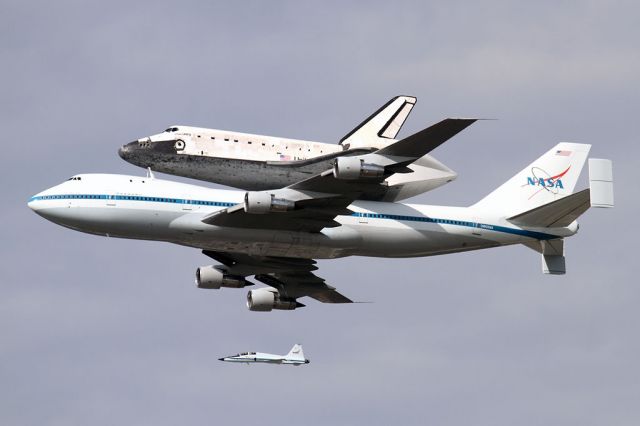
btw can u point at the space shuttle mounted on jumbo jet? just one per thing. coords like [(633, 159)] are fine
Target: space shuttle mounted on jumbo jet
[(294, 357), (275, 236), (256, 162)]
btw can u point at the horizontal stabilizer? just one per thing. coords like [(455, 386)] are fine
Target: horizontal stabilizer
[(601, 182), (557, 213)]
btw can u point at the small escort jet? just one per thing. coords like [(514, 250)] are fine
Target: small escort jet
[(295, 357)]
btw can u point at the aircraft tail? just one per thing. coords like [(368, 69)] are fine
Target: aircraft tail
[(551, 177), (296, 353), (541, 196), (380, 128)]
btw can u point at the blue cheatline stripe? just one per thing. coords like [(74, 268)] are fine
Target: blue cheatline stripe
[(440, 221), (131, 198), (482, 226)]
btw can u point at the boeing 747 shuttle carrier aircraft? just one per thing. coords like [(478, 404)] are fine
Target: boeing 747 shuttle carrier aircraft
[(257, 162), (275, 235)]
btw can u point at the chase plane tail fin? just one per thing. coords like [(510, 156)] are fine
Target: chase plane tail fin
[(296, 353)]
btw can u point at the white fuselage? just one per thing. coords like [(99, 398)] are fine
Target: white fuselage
[(251, 357), (153, 209), (257, 162)]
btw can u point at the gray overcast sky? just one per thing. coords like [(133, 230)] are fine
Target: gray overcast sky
[(103, 331)]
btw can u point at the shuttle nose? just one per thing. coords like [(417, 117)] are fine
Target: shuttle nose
[(126, 151)]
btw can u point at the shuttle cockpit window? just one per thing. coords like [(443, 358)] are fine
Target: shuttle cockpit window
[(75, 178), (171, 129)]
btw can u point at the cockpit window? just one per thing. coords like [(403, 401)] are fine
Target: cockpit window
[(171, 129), (75, 178)]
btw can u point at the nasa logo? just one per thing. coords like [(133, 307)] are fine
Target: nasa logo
[(543, 180), (549, 182)]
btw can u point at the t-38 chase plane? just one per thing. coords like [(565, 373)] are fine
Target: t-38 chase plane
[(294, 357), (275, 235), (257, 162)]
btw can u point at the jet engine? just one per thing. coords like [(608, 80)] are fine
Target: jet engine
[(210, 277), (264, 300), (264, 202), (352, 168)]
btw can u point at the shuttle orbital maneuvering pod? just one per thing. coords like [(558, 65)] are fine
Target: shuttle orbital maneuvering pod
[(294, 357), (275, 235), (257, 162)]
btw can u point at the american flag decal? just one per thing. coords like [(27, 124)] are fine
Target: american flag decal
[(563, 153)]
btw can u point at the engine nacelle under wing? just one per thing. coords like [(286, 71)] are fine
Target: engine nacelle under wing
[(210, 277), (264, 300), (353, 168), (263, 202)]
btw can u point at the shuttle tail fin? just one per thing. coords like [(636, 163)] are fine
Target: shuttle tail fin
[(549, 178), (380, 128), (296, 353)]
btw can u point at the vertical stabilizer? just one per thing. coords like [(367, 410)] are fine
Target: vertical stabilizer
[(380, 128), (296, 353), (549, 178)]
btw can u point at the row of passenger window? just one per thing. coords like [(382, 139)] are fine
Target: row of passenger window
[(134, 198), (71, 196), (173, 200), (414, 218)]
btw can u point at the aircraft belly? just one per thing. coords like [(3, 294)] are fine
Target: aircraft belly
[(264, 242), (252, 175), (408, 242), (242, 174)]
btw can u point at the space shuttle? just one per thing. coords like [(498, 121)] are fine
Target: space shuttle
[(257, 162)]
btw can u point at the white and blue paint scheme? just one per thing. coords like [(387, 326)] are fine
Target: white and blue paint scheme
[(275, 235), (294, 357)]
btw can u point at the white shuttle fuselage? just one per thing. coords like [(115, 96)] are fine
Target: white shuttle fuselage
[(258, 162)]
